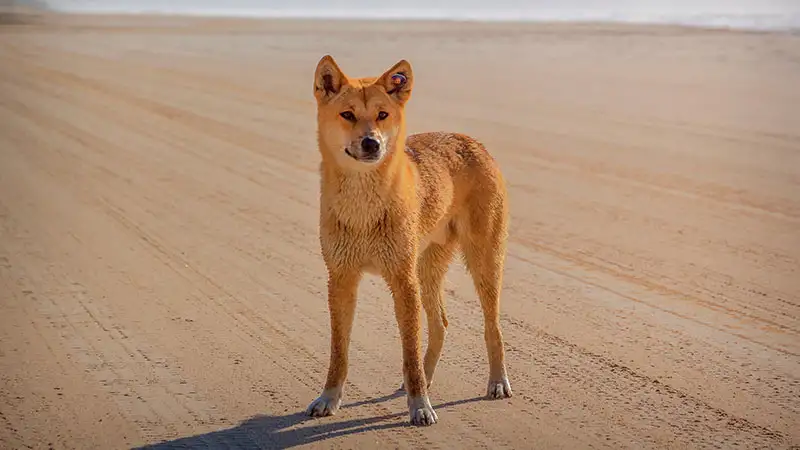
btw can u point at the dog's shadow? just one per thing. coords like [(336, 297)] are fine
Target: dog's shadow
[(273, 432)]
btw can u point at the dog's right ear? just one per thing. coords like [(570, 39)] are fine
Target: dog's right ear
[(328, 79)]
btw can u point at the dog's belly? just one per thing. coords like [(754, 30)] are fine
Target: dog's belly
[(437, 236), (371, 269)]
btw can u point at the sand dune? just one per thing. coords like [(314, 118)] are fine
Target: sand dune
[(161, 283)]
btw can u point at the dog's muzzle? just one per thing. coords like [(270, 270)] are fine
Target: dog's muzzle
[(368, 151)]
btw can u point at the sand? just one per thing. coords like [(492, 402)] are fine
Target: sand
[(161, 283)]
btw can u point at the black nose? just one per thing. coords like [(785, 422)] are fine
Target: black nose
[(370, 145)]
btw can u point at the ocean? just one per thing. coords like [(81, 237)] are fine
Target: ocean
[(741, 14)]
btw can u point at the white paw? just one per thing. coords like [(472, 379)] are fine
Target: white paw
[(325, 405), (421, 412), (499, 389)]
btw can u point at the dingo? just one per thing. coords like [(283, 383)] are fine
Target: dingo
[(400, 208)]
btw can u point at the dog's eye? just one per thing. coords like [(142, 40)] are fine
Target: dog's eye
[(382, 115), (347, 115)]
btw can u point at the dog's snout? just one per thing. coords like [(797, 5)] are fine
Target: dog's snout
[(370, 145)]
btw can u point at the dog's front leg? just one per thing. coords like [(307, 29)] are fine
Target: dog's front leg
[(407, 304), (342, 289)]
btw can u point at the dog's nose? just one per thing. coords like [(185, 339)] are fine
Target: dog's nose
[(370, 145)]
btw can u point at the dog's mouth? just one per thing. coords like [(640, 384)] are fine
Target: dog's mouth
[(365, 158)]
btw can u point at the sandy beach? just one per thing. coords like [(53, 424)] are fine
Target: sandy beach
[(161, 284)]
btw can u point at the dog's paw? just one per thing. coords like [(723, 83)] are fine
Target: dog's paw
[(324, 405), (421, 412), (499, 389)]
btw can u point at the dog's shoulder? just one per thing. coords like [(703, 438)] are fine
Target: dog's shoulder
[(434, 152)]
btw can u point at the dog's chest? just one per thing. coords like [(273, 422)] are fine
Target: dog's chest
[(356, 204), (359, 207)]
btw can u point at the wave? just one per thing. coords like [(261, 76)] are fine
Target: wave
[(772, 21)]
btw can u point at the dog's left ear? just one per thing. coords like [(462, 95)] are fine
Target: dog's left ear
[(398, 81)]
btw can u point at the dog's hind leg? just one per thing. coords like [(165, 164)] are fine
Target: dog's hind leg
[(482, 237)]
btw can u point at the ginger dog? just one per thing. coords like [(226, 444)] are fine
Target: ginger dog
[(400, 207)]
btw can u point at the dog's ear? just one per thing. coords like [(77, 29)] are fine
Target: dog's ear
[(328, 79), (398, 81)]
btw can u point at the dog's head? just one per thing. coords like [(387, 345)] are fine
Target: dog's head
[(360, 120)]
